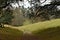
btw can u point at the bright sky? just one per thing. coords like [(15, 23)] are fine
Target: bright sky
[(47, 2), (58, 7), (26, 3)]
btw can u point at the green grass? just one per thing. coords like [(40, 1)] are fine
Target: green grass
[(48, 30), (27, 22), (48, 34), (41, 25), (10, 34)]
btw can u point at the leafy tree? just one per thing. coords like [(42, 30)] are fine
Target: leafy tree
[(47, 11), (6, 17), (5, 12)]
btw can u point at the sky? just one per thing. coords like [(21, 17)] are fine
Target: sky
[(47, 2), (58, 7), (26, 4)]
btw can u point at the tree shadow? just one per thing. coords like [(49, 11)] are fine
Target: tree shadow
[(46, 34)]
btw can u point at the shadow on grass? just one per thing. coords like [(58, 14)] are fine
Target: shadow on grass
[(10, 34), (46, 34)]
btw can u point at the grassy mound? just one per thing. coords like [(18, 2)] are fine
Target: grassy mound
[(41, 25), (10, 34), (48, 30)]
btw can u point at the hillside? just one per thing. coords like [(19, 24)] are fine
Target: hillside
[(41, 25), (48, 30)]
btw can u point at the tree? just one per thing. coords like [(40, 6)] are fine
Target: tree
[(18, 19), (6, 17), (5, 11), (46, 10)]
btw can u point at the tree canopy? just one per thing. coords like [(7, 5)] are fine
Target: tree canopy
[(46, 12)]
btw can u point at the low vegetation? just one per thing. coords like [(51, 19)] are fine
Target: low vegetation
[(48, 30), (10, 34)]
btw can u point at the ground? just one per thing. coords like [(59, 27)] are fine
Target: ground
[(10, 34), (48, 30), (38, 26)]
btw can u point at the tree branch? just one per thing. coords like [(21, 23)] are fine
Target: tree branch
[(44, 2)]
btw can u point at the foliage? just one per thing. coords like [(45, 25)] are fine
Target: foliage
[(6, 16), (46, 12)]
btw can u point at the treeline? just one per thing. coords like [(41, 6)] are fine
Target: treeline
[(23, 16)]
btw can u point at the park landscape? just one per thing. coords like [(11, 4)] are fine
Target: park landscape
[(29, 19), (48, 30)]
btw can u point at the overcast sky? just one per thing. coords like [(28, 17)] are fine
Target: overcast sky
[(26, 4), (47, 2)]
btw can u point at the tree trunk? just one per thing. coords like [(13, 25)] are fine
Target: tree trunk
[(1, 25)]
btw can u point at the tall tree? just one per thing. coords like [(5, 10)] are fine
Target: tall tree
[(47, 11), (5, 11)]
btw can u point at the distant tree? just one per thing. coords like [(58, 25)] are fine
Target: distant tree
[(47, 11), (18, 19)]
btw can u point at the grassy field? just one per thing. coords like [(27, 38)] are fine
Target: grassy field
[(41, 25), (48, 30), (10, 34)]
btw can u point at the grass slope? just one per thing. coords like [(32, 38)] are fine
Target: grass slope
[(48, 34), (41, 25), (48, 30), (10, 34)]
